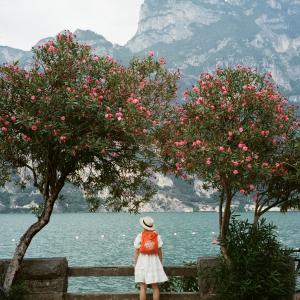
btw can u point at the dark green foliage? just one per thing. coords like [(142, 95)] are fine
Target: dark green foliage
[(181, 284), (259, 268)]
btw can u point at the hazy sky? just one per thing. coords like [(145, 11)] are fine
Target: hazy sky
[(24, 22)]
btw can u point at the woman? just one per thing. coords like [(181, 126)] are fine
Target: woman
[(148, 259)]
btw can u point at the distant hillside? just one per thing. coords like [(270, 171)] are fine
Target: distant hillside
[(173, 194)]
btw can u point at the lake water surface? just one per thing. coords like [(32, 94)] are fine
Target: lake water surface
[(107, 239)]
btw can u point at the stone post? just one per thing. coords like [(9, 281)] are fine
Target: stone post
[(43, 278), (205, 267)]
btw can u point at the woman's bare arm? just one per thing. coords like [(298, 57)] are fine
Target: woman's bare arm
[(135, 255), (160, 254)]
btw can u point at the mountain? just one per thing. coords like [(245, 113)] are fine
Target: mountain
[(173, 194), (195, 36)]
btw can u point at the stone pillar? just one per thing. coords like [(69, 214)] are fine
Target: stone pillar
[(43, 278), (205, 268)]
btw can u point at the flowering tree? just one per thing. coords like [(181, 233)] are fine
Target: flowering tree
[(281, 190), (78, 117), (227, 133)]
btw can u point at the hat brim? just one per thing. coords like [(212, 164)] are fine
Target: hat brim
[(152, 228)]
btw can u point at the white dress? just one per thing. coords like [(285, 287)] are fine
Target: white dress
[(148, 268)]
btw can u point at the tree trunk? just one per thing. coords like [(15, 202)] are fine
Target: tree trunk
[(255, 220), (25, 242), (256, 216), (225, 222), (256, 213), (221, 210)]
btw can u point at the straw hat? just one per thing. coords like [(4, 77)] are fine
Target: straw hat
[(147, 223)]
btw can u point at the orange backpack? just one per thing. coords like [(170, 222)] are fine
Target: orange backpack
[(149, 242)]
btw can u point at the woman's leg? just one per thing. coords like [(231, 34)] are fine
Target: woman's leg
[(143, 291), (155, 289)]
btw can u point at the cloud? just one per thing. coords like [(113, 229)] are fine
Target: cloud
[(24, 23)]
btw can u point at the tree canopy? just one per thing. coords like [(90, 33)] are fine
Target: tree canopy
[(74, 116), (229, 132), (81, 117)]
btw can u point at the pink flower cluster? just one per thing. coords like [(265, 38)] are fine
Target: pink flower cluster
[(249, 87), (209, 161), (196, 143), (243, 146), (26, 138), (265, 133), (180, 143), (133, 100), (119, 115)]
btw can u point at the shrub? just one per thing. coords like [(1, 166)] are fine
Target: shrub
[(180, 283), (259, 268)]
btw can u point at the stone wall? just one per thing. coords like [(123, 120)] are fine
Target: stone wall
[(47, 279), (43, 278)]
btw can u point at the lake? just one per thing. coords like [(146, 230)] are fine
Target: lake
[(87, 239)]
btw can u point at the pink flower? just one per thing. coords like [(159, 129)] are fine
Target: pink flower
[(235, 163), (55, 131), (242, 191), (249, 166), (6, 123), (265, 132), (63, 138), (265, 164), (133, 100), (245, 148), (26, 138), (13, 118), (235, 172), (142, 84), (119, 116), (199, 101), (241, 129), (208, 161), (34, 127), (33, 97), (108, 116), (4, 129), (221, 148), (109, 58), (161, 61), (196, 143), (196, 89), (180, 143), (51, 48), (248, 158), (230, 133), (224, 92), (63, 118), (151, 53)]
